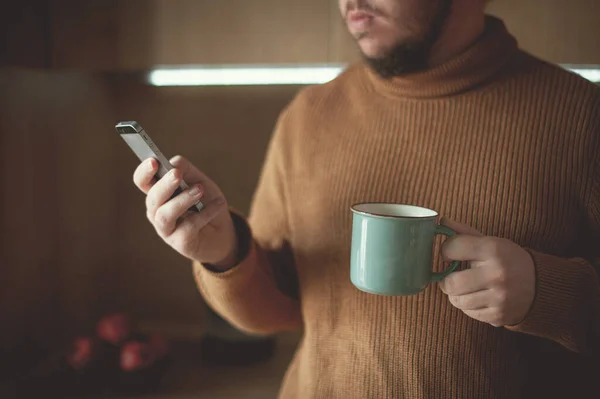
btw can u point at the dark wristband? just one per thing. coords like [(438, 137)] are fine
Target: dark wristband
[(244, 241)]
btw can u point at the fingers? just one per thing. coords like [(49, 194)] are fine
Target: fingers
[(160, 193), (167, 215), (468, 245), (461, 228), (469, 248), (466, 281), (188, 229), (143, 176), (168, 210), (473, 301), (491, 316)]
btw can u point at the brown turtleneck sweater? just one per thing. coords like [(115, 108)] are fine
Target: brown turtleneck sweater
[(494, 138)]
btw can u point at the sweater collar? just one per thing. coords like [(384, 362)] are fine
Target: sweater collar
[(486, 57)]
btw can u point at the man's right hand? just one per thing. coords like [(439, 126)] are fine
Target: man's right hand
[(208, 236)]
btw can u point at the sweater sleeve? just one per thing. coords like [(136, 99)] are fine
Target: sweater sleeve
[(259, 294), (566, 308)]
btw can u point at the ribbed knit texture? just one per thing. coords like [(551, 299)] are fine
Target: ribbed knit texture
[(494, 138)]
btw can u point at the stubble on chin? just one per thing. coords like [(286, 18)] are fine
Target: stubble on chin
[(360, 35)]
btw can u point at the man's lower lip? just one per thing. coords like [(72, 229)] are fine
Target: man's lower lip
[(359, 24)]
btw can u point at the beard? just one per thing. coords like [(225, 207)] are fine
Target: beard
[(413, 56)]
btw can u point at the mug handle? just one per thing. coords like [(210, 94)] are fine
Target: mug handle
[(448, 232)]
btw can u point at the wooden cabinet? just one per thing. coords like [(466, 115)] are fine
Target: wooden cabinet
[(57, 203), (137, 34), (91, 34), (556, 30), (23, 34), (240, 31)]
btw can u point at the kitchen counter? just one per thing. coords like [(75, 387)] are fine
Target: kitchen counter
[(188, 379)]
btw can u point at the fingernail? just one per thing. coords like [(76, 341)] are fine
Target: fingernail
[(195, 191), (151, 164), (174, 175), (220, 201)]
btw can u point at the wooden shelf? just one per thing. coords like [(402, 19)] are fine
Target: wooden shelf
[(188, 379)]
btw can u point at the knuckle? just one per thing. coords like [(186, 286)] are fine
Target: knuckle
[(492, 247), (458, 301), (150, 203), (453, 300), (446, 248), (161, 219), (474, 314), (500, 276), (149, 216), (449, 285)]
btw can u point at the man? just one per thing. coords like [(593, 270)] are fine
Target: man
[(447, 113)]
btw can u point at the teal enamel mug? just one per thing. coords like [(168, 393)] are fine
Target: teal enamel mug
[(392, 248)]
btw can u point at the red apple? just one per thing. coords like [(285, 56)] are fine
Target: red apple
[(136, 355), (114, 328), (159, 345), (81, 352)]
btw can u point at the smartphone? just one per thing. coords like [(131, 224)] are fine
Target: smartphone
[(140, 143)]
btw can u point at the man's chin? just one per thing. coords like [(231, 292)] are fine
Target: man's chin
[(399, 61), (371, 49)]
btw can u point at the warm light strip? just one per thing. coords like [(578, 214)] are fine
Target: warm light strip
[(593, 75), (283, 75), (211, 76)]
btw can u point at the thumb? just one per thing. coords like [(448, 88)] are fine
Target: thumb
[(461, 228), (190, 173)]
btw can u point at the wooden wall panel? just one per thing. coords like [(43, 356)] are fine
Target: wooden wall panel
[(24, 33), (557, 30), (56, 202), (240, 31), (84, 33), (87, 201), (29, 296), (101, 35), (138, 34)]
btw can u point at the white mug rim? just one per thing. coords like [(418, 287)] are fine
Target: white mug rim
[(378, 212)]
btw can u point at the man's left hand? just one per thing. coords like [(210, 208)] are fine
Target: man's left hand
[(499, 286)]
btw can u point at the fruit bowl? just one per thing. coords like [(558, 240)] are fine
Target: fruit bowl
[(115, 360)]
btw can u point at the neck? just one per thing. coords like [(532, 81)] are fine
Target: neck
[(455, 71), (463, 27)]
